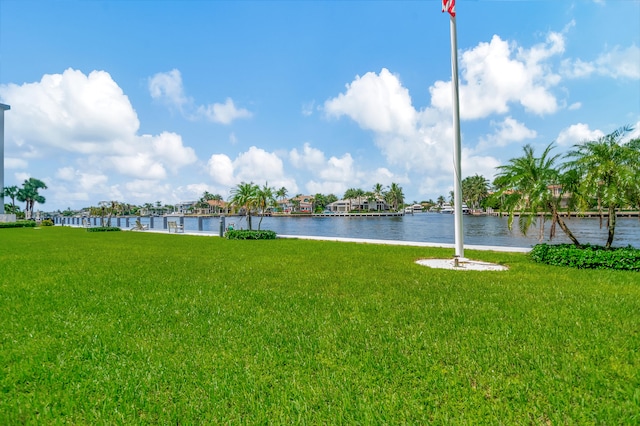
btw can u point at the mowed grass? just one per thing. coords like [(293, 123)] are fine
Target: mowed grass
[(134, 327)]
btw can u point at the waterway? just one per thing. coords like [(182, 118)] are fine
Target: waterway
[(427, 227)]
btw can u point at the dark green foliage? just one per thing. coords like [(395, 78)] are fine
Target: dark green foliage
[(18, 224), (587, 257), (104, 229), (250, 235)]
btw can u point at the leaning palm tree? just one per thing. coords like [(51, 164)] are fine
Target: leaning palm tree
[(608, 171), (243, 196), (526, 184)]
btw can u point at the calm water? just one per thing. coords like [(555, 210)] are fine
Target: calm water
[(427, 227)]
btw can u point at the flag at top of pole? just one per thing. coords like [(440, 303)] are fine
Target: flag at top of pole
[(449, 6)]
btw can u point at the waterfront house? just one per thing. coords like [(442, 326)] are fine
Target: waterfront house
[(185, 207), (362, 204), (299, 204)]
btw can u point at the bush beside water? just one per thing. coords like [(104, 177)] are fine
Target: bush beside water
[(587, 256), (250, 235)]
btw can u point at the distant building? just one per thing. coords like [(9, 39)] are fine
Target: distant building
[(185, 207), (362, 204)]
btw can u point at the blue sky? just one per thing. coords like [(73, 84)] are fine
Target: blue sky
[(145, 101)]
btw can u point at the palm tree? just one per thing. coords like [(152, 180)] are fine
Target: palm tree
[(474, 190), (608, 172), (441, 200), (526, 184), (378, 189), (320, 202), (265, 198), (395, 196), (243, 196), (11, 192), (30, 196), (350, 194)]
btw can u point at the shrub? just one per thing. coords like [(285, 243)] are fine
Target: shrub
[(250, 235), (18, 224), (46, 222), (104, 229), (587, 257)]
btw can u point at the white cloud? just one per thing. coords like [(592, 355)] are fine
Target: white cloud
[(223, 113), (577, 133), (90, 117), (169, 149), (497, 74), (506, 132), (310, 158), (574, 106), (255, 165), (376, 102), (15, 163), (87, 114), (221, 169), (615, 63), (167, 87)]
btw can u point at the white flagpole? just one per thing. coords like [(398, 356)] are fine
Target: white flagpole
[(457, 188)]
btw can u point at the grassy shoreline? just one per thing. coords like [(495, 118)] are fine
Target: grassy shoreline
[(148, 328)]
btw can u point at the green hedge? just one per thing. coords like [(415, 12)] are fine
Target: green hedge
[(250, 235), (587, 257), (18, 224), (104, 229)]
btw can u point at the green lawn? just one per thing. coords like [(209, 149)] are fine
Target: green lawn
[(135, 327)]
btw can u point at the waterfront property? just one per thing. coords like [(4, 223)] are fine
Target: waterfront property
[(365, 204)]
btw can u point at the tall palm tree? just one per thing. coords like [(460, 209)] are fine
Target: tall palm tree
[(526, 184), (30, 196), (608, 172), (265, 198), (243, 196), (11, 192)]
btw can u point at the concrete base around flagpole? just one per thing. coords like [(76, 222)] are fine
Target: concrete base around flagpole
[(461, 264)]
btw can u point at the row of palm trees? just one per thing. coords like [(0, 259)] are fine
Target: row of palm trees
[(604, 172), (28, 194), (250, 197)]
